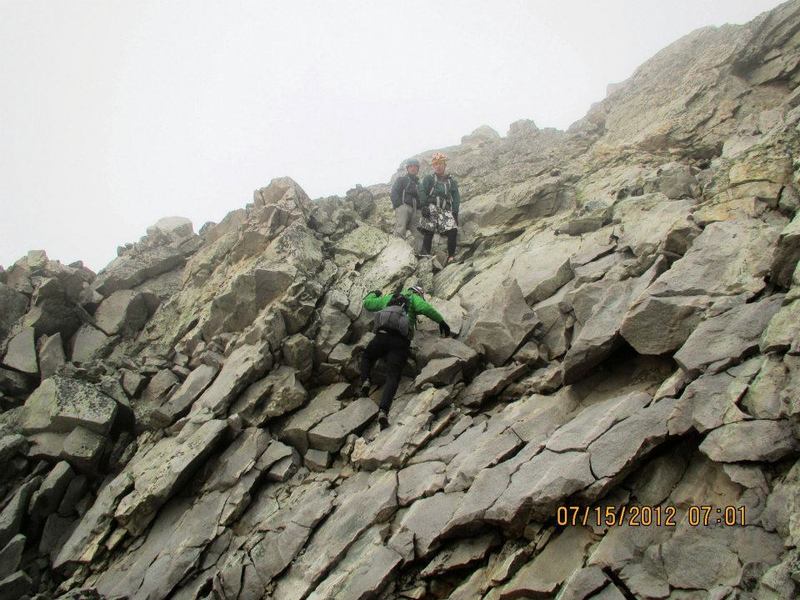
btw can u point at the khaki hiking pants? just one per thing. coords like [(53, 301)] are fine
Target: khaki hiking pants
[(406, 219)]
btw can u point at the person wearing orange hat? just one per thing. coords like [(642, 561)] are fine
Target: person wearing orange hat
[(439, 201)]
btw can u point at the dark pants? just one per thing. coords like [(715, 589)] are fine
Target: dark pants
[(427, 240), (394, 349)]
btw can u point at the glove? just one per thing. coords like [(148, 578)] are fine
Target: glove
[(377, 292), (444, 329), (426, 212)]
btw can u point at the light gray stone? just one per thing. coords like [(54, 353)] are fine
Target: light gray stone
[(11, 555), (419, 481), (317, 460), (441, 371), (15, 510), (129, 270), (83, 448), (51, 355), (498, 326), (60, 404), (182, 399), (159, 472), (21, 353), (47, 498), (331, 432), (278, 393), (298, 352), (242, 367), (90, 344), (124, 312), (13, 306), (764, 441), (424, 522), (325, 403), (490, 383), (727, 337)]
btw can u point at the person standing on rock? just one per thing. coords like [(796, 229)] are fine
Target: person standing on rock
[(395, 322), (405, 200), (439, 201)]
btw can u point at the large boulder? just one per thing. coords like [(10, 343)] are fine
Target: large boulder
[(131, 269), (21, 352), (60, 404), (125, 312), (499, 323), (13, 305)]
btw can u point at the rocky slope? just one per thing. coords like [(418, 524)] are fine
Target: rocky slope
[(185, 424)]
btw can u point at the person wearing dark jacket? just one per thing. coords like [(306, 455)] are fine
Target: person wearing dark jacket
[(405, 200), (439, 201), (392, 341)]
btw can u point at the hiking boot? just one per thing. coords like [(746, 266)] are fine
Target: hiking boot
[(383, 419), (450, 259), (365, 385)]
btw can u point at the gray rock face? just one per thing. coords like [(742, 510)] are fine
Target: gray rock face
[(127, 271), (124, 312), (750, 441), (14, 511), (90, 344), (160, 471), (728, 337), (182, 399), (60, 404), (787, 253), (51, 355), (243, 366), (11, 555), (278, 393), (497, 327), (490, 383), (47, 498), (331, 432), (21, 353)]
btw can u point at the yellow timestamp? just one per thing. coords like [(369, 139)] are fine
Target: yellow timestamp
[(647, 516)]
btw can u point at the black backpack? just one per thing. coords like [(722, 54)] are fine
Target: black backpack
[(394, 317)]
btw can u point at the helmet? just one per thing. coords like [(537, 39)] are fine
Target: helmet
[(412, 162), (438, 157), (417, 289)]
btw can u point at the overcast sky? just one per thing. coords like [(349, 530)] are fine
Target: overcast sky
[(116, 113)]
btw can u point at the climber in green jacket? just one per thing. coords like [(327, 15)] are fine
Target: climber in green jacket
[(395, 323)]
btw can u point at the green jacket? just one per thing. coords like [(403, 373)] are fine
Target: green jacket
[(416, 306), (433, 187)]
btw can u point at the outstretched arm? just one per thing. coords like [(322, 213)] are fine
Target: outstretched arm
[(373, 302), (423, 308)]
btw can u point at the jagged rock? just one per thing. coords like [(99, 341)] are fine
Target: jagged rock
[(364, 242), (285, 194), (13, 305), (21, 353), (439, 370), (429, 348), (83, 448), (47, 498), (90, 344), (127, 271), (317, 460), (51, 355), (325, 403), (594, 421), (543, 575), (332, 430), (769, 394), (583, 583), (76, 490), (158, 472), (244, 365), (501, 323), (419, 481), (750, 441), (424, 523), (727, 259), (651, 221), (298, 352), (278, 393), (363, 572), (783, 331), (334, 326), (15, 510), (182, 399), (599, 330), (60, 404), (728, 337), (11, 555), (125, 312), (707, 403), (373, 501), (461, 555), (490, 383)]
